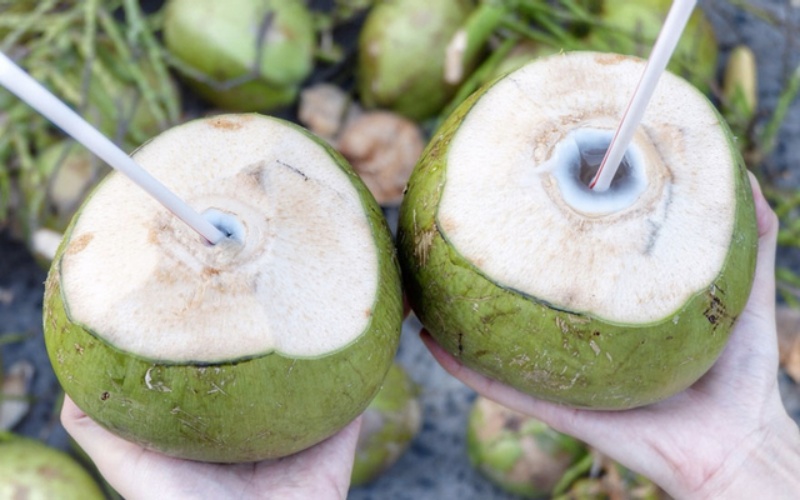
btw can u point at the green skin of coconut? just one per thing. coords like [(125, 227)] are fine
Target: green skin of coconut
[(271, 405), (511, 337), (632, 27), (401, 55), (30, 469), (496, 458), (398, 410), (219, 41)]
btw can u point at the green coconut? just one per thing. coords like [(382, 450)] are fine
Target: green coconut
[(632, 28), (391, 421), (520, 454), (32, 470), (256, 347), (402, 49), (242, 55), (605, 300)]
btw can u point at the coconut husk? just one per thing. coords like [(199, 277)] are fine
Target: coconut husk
[(383, 148), (14, 403)]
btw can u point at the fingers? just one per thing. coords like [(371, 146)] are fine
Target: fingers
[(492, 389), (762, 299), (339, 448), (98, 443), (117, 460), (136, 472), (329, 466), (767, 220), (338, 451)]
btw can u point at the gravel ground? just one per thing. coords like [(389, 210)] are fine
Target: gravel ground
[(436, 465)]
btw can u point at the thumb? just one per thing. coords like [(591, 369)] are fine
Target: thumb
[(762, 297)]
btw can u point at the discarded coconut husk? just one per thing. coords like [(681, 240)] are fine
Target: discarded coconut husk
[(14, 403), (325, 109), (383, 148)]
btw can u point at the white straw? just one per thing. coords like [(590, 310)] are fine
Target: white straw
[(39, 98), (665, 45)]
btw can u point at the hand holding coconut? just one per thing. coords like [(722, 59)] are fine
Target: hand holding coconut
[(727, 436), (319, 472)]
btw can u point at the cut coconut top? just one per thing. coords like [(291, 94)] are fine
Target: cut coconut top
[(514, 205), (298, 276)]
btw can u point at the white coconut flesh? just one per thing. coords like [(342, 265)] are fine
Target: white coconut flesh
[(298, 276), (514, 203)]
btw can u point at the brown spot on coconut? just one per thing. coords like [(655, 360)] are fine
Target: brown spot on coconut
[(224, 123), (269, 354), (383, 148), (660, 265), (79, 244)]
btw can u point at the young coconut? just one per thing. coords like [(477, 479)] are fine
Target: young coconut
[(30, 469), (391, 421), (402, 55), (518, 453), (609, 299), (242, 55), (254, 348)]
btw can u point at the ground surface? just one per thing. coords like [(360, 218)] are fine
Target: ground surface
[(436, 465)]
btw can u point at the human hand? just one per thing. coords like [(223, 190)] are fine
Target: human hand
[(322, 471), (727, 436)]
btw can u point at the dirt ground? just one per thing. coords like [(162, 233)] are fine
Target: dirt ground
[(436, 465)]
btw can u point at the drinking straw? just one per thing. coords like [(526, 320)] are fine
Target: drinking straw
[(21, 84), (665, 45)]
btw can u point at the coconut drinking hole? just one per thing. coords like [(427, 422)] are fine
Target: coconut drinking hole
[(230, 226), (575, 161)]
